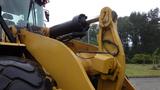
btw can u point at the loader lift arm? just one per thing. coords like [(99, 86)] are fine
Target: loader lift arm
[(108, 61), (109, 58), (69, 70)]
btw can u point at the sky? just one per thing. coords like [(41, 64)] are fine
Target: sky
[(64, 10)]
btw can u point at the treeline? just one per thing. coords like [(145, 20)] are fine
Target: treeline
[(140, 32), (140, 35)]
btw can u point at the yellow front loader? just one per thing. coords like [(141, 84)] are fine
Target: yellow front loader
[(33, 57)]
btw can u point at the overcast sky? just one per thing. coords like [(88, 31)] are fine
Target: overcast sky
[(64, 10)]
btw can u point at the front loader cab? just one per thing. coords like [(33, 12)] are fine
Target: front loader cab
[(17, 70), (22, 12)]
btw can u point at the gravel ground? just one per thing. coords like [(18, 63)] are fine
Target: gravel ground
[(146, 83)]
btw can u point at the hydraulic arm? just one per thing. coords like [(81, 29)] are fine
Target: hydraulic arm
[(77, 27), (104, 70), (68, 69)]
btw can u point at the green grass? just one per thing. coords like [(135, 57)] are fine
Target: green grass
[(140, 70)]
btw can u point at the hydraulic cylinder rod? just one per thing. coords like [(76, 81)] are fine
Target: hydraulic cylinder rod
[(77, 24)]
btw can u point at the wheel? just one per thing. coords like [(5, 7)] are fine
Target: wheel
[(21, 74)]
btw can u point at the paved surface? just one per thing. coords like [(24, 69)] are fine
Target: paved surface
[(146, 83)]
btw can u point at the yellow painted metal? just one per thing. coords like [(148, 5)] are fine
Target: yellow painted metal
[(127, 85), (45, 31), (14, 33), (103, 63), (108, 31), (58, 60), (92, 62), (11, 44), (97, 64), (111, 69), (65, 64), (77, 46)]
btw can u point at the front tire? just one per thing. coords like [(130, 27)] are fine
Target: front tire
[(21, 74)]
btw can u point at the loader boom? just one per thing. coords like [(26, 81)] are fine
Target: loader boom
[(53, 58)]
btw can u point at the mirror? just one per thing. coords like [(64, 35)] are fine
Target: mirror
[(47, 15), (41, 2)]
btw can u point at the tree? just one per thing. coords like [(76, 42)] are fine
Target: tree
[(140, 32), (156, 58), (139, 23), (130, 32), (150, 36), (124, 26)]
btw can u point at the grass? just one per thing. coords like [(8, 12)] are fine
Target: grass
[(140, 70)]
